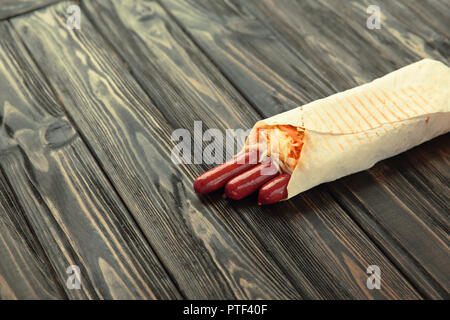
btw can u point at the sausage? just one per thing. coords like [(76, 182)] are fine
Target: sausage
[(248, 182), (274, 190), (216, 177)]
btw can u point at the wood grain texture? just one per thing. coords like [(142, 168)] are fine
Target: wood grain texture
[(209, 251), (70, 205), (431, 13), (10, 8), (409, 213), (403, 30), (330, 38), (250, 55), (305, 237), (333, 37), (24, 273)]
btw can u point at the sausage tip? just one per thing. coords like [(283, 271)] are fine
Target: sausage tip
[(199, 186), (275, 190)]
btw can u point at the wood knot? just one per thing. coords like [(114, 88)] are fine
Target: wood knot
[(58, 133)]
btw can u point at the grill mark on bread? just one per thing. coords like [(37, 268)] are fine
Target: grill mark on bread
[(413, 100), (359, 125), (395, 103), (381, 111), (337, 125), (404, 102), (325, 138), (345, 121), (370, 113)]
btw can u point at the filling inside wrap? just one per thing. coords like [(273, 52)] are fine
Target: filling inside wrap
[(282, 143)]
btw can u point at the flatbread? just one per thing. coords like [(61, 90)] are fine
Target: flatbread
[(352, 130)]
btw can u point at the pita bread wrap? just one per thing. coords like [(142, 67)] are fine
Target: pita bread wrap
[(352, 130)]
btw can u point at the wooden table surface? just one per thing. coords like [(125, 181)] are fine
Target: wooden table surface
[(86, 178)]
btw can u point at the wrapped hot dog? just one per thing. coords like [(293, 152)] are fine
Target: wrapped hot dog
[(352, 130), (336, 136)]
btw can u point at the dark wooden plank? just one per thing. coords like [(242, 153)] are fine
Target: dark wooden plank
[(253, 57), (209, 252), (323, 251), (333, 37), (427, 169), (332, 46), (69, 203), (250, 55), (24, 273), (10, 8), (402, 28), (432, 13)]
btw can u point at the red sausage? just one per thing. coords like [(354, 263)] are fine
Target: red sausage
[(216, 178), (248, 182), (274, 190)]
